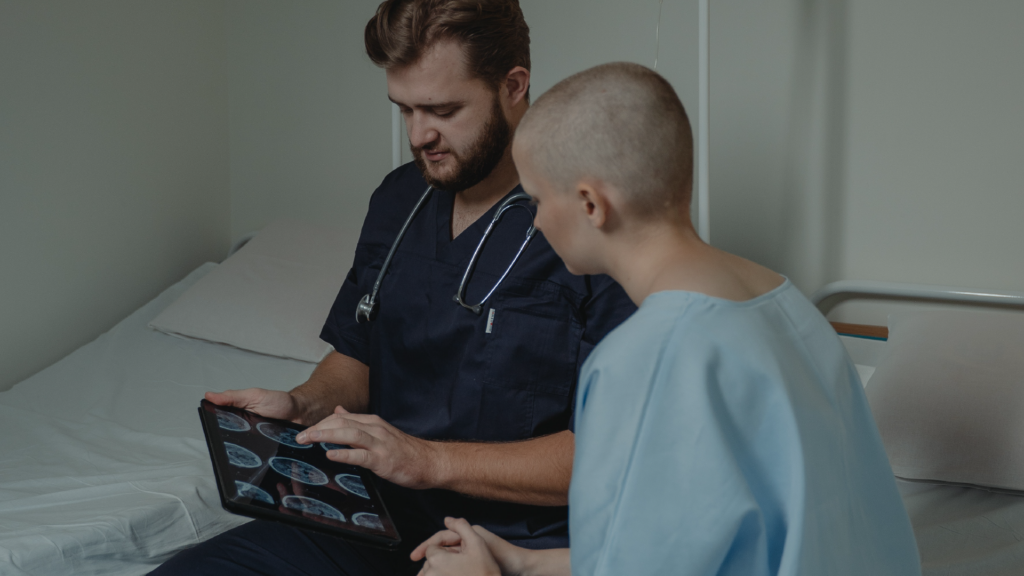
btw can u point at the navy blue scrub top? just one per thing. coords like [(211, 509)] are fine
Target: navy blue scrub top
[(436, 372)]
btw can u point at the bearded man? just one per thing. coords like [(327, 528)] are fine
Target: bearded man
[(460, 412)]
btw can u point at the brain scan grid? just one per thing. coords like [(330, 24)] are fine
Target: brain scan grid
[(241, 457), (312, 506), (281, 435), (232, 422), (298, 470), (367, 520), (266, 468), (246, 490), (353, 484)]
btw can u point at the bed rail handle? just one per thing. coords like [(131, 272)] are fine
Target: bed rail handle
[(836, 292)]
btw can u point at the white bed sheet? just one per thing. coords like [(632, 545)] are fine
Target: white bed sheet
[(103, 466), (966, 531), (960, 531)]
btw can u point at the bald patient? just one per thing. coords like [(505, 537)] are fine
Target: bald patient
[(721, 429)]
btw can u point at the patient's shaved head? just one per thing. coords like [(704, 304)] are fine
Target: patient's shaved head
[(620, 123)]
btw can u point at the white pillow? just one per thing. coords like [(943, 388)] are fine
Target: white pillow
[(948, 397), (272, 296)]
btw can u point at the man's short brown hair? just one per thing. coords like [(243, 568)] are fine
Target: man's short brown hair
[(493, 34)]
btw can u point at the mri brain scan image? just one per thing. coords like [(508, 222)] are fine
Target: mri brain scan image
[(352, 484), (232, 422), (281, 434), (246, 490), (367, 520), (241, 457), (311, 506), (299, 471)]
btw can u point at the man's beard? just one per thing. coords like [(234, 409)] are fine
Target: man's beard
[(480, 158)]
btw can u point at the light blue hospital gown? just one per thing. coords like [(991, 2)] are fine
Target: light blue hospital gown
[(720, 437)]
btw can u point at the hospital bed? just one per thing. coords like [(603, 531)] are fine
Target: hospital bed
[(104, 470), (103, 465), (938, 390)]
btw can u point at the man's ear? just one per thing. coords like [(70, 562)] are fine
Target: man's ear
[(593, 199), (517, 82)]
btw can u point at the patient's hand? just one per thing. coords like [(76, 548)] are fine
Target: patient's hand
[(269, 403), (457, 550), (460, 550), (511, 560)]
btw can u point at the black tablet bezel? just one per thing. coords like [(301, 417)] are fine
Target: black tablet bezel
[(218, 456)]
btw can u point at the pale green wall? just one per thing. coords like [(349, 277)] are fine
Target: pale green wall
[(850, 138), (933, 190), (310, 119), (934, 186), (113, 164)]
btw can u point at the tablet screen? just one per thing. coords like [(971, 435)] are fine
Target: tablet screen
[(262, 472)]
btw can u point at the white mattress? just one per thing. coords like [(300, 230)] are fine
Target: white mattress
[(966, 531), (960, 531), (103, 466)]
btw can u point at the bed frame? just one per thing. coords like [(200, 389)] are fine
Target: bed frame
[(837, 292)]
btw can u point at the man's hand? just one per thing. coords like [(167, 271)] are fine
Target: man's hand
[(460, 550), (378, 446), (269, 403)]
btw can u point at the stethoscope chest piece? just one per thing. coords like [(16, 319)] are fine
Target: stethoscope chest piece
[(366, 309)]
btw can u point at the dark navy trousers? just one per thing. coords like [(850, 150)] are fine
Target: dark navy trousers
[(269, 549)]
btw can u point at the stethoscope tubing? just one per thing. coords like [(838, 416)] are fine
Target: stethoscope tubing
[(509, 202), (367, 307)]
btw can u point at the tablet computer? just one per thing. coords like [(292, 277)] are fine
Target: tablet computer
[(262, 472)]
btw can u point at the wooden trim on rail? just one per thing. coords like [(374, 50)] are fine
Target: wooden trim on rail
[(862, 330)]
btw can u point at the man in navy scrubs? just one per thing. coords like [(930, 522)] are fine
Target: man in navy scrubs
[(460, 413)]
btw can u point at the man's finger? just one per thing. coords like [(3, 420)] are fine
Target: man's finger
[(355, 437), (353, 456), (228, 398), (362, 418), (361, 436), (323, 431)]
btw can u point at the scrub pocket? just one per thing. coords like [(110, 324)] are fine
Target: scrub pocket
[(531, 353)]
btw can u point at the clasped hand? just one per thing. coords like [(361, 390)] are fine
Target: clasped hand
[(378, 446), (464, 550)]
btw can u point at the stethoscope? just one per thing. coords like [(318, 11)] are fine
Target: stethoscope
[(367, 307)]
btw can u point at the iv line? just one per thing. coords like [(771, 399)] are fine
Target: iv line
[(657, 34)]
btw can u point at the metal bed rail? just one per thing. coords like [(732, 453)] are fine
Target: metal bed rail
[(836, 292)]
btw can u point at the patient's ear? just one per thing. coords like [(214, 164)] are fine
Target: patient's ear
[(593, 198)]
